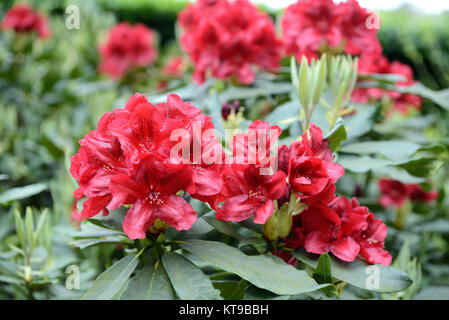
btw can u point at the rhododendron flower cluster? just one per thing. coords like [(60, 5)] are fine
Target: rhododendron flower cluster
[(127, 160), (23, 19), (395, 193), (127, 47), (134, 157), (311, 27), (329, 223), (228, 38), (175, 67)]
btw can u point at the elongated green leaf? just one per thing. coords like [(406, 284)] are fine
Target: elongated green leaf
[(189, 282), (266, 272), (322, 273), (22, 192), (360, 274), (150, 283), (394, 150), (221, 226), (111, 281), (337, 135), (86, 243)]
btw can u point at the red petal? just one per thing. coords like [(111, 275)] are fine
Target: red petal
[(263, 212), (138, 220), (316, 243), (237, 208), (176, 212)]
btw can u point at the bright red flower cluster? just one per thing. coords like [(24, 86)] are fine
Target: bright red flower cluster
[(134, 157), (23, 19), (228, 38), (329, 223), (395, 193), (127, 46), (128, 159), (311, 27), (380, 64)]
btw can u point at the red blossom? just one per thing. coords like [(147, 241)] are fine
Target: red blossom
[(128, 160), (394, 192), (311, 171), (127, 47), (23, 19), (309, 25), (249, 193), (372, 242), (359, 39), (228, 38), (174, 67), (417, 193)]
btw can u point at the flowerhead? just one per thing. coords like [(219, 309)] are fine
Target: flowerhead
[(129, 160), (228, 39), (127, 47), (22, 18)]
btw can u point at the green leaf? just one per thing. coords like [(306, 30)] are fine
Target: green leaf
[(221, 226), (440, 226), (394, 150), (189, 282), (22, 192), (358, 273), (441, 98), (111, 281), (86, 243), (322, 273), (150, 283), (337, 135), (231, 290), (433, 293), (266, 272), (288, 110), (361, 122)]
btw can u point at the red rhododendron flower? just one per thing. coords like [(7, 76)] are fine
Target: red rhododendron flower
[(310, 25), (335, 228), (393, 193), (127, 47), (175, 67), (99, 157), (152, 189), (417, 193), (249, 193), (359, 39), (228, 39), (311, 170), (129, 159), (23, 19), (372, 242)]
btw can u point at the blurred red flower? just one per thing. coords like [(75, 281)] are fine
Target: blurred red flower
[(23, 19), (312, 27), (127, 47), (129, 159), (394, 192), (228, 39)]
